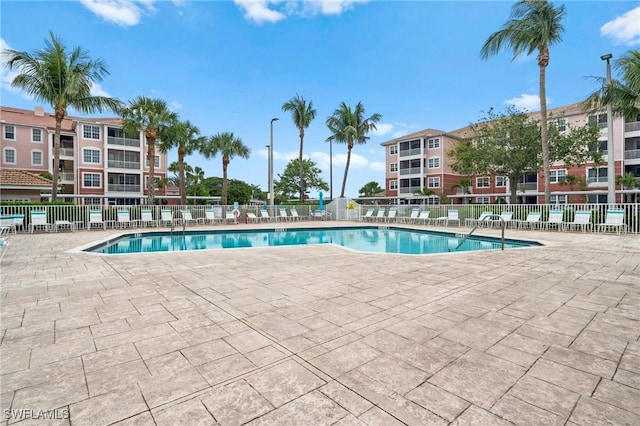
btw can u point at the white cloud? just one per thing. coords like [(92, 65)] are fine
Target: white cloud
[(258, 11), (121, 12), (527, 102), (331, 7), (97, 90), (7, 75), (382, 129), (624, 29), (176, 106)]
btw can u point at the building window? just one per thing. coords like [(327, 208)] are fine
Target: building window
[(558, 199), (36, 158), (393, 185), (36, 135), (433, 182), (434, 162), (91, 156), (91, 132), (92, 201), (501, 181), (10, 156), (599, 120), (10, 132), (91, 180), (483, 200), (393, 167), (156, 162), (557, 176), (433, 143), (597, 175), (483, 182), (393, 149), (561, 124)]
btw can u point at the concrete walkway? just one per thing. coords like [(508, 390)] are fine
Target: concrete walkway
[(321, 336)]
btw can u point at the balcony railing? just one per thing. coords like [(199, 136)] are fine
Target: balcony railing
[(66, 152), (124, 164), (410, 171), (631, 154), (634, 126), (597, 179), (124, 188), (406, 152), (409, 189), (112, 140), (66, 176), (529, 186)]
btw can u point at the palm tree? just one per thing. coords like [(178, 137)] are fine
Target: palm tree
[(623, 94), (62, 79), (153, 117), (302, 113), (370, 189), (184, 136), (534, 25), (465, 186), (628, 181), (228, 146), (196, 176), (350, 127)]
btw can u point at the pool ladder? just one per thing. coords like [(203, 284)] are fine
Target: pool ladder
[(503, 224)]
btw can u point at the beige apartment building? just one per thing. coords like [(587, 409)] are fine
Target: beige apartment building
[(419, 160), (99, 165)]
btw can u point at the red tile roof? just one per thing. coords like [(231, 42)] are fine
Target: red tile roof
[(22, 178)]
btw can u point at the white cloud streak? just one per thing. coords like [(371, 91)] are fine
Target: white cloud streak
[(624, 29), (272, 11), (527, 102), (126, 13)]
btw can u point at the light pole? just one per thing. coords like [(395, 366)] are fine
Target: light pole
[(271, 197), (331, 170), (611, 161)]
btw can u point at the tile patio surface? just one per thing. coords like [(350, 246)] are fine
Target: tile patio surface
[(321, 336)]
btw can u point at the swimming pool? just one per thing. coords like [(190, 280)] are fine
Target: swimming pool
[(370, 239)]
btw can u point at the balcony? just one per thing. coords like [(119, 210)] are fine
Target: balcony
[(597, 179), (66, 152), (407, 152), (631, 154), (633, 126), (124, 164), (65, 176), (529, 186), (123, 188), (409, 189), (112, 140), (410, 171)]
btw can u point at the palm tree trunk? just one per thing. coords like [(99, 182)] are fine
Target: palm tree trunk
[(513, 189), (225, 163), (183, 184), (151, 184), (301, 167), (546, 162), (56, 158), (346, 169)]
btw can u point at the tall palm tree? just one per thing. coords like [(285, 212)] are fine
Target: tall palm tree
[(533, 25), (63, 79), (302, 113), (624, 94), (186, 138), (196, 176), (349, 126), (229, 146), (153, 118)]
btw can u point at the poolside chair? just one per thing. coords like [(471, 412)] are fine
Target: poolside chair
[(320, 214), (452, 216), (146, 217), (7, 224), (368, 215), (505, 217), (582, 220), (264, 215), (532, 221), (412, 216), (555, 218), (391, 215), (4, 243), (480, 220), (614, 220), (380, 214), (210, 217), (187, 217), (283, 214), (251, 216), (424, 217), (124, 219), (230, 217), (38, 220), (294, 214), (18, 221), (166, 217), (95, 219)]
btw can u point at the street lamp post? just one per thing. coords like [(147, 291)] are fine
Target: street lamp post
[(331, 170), (271, 197), (611, 164)]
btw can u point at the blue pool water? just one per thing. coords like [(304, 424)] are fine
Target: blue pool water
[(364, 239)]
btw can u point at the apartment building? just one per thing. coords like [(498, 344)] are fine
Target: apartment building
[(420, 160), (98, 163)]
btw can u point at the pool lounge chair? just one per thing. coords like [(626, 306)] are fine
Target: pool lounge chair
[(252, 218), (368, 215), (582, 220), (380, 214), (532, 221), (555, 219), (38, 220), (210, 217), (480, 221), (294, 214), (166, 217), (187, 217), (7, 224), (452, 216), (614, 220), (392, 214), (230, 217), (283, 214), (423, 217), (124, 219), (505, 217), (146, 218), (264, 215), (95, 220)]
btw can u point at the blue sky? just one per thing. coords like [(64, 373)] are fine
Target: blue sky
[(230, 65)]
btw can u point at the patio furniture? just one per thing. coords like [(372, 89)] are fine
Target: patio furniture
[(471, 222), (424, 217), (146, 217), (63, 224), (412, 217), (614, 220), (452, 216), (38, 220), (7, 224), (532, 221), (95, 219), (210, 217), (555, 218), (187, 217), (581, 219), (124, 219), (368, 215)]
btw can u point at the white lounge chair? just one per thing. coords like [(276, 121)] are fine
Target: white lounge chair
[(424, 217), (187, 217), (264, 215), (505, 217), (479, 221), (146, 218), (368, 215), (581, 219), (124, 219), (294, 214), (210, 217), (283, 214), (18, 221), (614, 220), (532, 221), (7, 224), (555, 218), (392, 214), (412, 217), (38, 220), (166, 217), (380, 214), (95, 219), (251, 216), (452, 216)]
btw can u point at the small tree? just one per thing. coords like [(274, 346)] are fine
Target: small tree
[(289, 182), (628, 181), (370, 189)]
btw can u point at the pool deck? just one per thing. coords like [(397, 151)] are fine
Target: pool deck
[(319, 335)]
